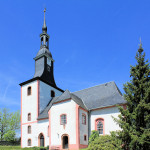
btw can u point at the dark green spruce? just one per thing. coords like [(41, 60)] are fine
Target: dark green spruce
[(135, 119)]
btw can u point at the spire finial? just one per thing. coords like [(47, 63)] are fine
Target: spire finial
[(44, 25), (140, 42), (140, 50)]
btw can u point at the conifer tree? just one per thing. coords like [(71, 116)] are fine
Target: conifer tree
[(135, 119)]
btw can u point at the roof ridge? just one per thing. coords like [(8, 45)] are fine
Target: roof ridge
[(95, 86), (80, 99), (118, 89)]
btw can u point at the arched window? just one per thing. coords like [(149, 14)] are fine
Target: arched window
[(100, 127), (29, 91), (99, 124), (83, 119), (29, 129), (29, 116), (29, 142), (52, 93), (63, 119)]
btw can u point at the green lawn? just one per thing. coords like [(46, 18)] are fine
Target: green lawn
[(13, 148), (17, 148)]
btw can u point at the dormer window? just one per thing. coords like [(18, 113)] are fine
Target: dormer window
[(52, 93), (29, 91)]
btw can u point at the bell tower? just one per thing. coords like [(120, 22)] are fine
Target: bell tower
[(44, 62)]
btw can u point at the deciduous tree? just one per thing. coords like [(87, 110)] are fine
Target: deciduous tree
[(9, 123)]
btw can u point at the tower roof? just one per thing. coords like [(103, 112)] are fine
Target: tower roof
[(44, 48)]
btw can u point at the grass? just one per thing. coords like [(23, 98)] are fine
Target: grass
[(17, 148), (13, 148)]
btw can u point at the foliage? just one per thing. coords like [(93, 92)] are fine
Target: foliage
[(103, 143), (93, 136), (115, 139), (9, 123), (9, 135), (19, 148), (135, 120), (4, 121)]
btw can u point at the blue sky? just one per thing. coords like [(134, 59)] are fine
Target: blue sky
[(92, 42)]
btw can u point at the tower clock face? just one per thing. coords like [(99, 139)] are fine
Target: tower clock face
[(48, 61)]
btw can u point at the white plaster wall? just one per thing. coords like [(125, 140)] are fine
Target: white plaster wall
[(57, 130), (29, 103), (36, 129), (83, 128), (106, 114), (45, 94)]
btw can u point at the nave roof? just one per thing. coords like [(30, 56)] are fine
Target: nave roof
[(99, 96)]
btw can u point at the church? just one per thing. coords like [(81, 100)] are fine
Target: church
[(59, 118)]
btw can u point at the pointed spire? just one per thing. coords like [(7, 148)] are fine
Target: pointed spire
[(44, 28), (140, 50)]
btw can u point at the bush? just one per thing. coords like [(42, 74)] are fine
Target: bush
[(93, 136), (39, 148), (104, 142)]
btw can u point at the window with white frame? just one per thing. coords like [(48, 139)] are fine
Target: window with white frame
[(100, 127), (63, 119)]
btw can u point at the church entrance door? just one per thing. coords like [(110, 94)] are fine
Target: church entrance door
[(65, 142), (41, 140)]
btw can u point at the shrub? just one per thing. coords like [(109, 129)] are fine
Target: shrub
[(93, 136), (104, 142)]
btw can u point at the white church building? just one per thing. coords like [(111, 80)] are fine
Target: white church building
[(62, 119)]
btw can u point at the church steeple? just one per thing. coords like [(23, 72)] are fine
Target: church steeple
[(44, 36), (43, 60)]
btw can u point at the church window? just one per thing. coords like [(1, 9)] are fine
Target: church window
[(29, 91), (100, 126), (29, 142), (29, 129), (63, 119), (83, 119), (52, 93), (29, 116), (84, 137)]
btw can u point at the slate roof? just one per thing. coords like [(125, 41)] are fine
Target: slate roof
[(44, 50), (66, 95), (99, 96)]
